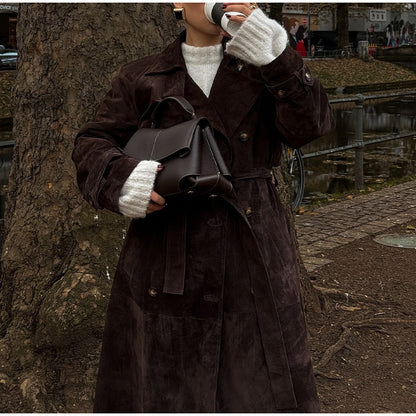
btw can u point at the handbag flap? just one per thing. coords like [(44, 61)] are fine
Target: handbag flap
[(162, 144)]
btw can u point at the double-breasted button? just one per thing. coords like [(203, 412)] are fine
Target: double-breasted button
[(243, 136), (153, 292), (239, 65), (249, 212)]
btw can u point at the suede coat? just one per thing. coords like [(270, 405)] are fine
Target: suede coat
[(205, 313)]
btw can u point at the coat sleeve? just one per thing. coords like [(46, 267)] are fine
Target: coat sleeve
[(101, 166), (302, 109)]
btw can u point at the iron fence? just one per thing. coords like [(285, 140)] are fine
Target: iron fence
[(346, 52), (359, 142)]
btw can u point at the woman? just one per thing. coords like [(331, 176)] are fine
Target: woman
[(234, 339)]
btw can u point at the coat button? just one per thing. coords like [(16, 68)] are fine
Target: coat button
[(239, 65), (308, 76), (281, 93), (243, 136), (249, 212), (152, 292)]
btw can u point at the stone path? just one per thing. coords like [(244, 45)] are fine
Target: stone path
[(341, 223)]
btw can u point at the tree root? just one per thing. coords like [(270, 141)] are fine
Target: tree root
[(347, 327), (345, 296)]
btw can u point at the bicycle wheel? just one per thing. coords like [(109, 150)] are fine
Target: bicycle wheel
[(294, 162)]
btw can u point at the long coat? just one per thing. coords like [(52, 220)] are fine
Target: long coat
[(205, 313)]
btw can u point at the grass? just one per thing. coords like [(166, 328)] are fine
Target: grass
[(334, 73)]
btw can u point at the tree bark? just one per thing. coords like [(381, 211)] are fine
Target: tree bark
[(342, 24), (311, 301), (59, 254), (276, 11)]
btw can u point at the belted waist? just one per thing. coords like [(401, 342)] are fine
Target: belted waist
[(254, 173), (174, 279)]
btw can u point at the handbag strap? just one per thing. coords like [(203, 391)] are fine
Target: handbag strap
[(182, 101)]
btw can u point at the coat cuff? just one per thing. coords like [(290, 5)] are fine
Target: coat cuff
[(259, 40), (136, 191), (287, 77)]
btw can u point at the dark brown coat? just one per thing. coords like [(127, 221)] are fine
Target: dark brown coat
[(235, 339)]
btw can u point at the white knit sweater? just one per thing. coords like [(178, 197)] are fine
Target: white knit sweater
[(259, 41), (202, 64)]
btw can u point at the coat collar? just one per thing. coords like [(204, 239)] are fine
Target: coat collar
[(170, 59), (234, 91)]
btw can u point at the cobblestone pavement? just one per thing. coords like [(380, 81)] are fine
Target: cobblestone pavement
[(341, 223)]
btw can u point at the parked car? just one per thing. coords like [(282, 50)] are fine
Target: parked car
[(8, 58)]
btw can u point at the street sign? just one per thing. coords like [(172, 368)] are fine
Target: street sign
[(378, 15)]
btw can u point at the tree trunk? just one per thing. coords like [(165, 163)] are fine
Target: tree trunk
[(342, 25), (58, 253), (312, 304), (276, 11)]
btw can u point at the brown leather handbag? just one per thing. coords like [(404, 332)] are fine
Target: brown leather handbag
[(192, 161)]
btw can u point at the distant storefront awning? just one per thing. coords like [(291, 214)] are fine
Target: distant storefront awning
[(9, 8)]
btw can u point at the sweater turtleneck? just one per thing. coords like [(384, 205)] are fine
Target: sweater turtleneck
[(202, 63)]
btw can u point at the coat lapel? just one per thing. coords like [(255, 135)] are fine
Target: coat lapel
[(171, 78), (203, 106), (236, 88), (168, 71)]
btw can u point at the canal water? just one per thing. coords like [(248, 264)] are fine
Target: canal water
[(385, 161)]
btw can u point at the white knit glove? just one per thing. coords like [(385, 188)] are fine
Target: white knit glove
[(259, 40), (135, 193)]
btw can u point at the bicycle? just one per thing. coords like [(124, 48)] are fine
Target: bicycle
[(294, 162), (346, 52)]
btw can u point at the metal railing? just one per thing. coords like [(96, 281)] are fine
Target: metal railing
[(6, 143), (346, 52), (359, 142)]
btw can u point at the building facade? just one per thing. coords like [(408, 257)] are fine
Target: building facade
[(8, 22), (383, 24)]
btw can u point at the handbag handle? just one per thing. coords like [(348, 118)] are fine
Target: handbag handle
[(183, 102)]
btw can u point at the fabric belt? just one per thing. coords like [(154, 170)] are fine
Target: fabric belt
[(255, 173), (175, 269)]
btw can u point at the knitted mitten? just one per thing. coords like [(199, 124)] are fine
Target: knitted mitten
[(259, 40), (135, 193)]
